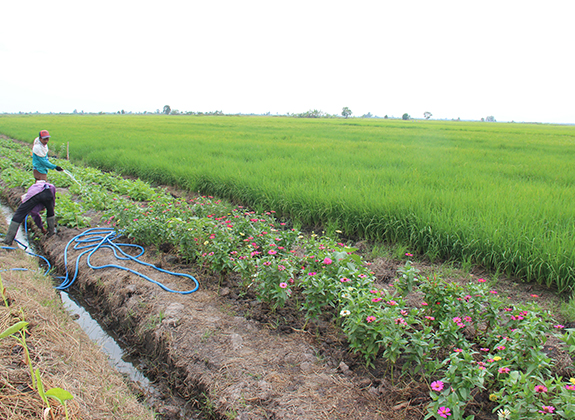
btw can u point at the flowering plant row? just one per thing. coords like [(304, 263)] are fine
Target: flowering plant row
[(463, 340)]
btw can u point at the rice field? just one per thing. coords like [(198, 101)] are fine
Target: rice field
[(498, 195)]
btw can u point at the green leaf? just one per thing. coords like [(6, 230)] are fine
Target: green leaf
[(41, 387), (59, 394), (14, 329)]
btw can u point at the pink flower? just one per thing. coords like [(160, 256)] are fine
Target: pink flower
[(444, 412), (327, 261), (392, 303), (493, 292), (376, 299), (540, 389), (407, 254), (400, 321), (272, 252), (547, 409), (458, 350), (534, 295), (481, 280), (570, 387), (559, 326), (283, 285), (501, 348), (504, 370), (431, 318), (344, 279), (437, 386), (370, 318)]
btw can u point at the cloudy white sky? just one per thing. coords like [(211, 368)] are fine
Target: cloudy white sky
[(456, 59)]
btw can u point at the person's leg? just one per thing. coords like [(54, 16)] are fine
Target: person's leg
[(11, 234), (48, 201)]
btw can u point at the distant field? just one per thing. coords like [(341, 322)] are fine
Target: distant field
[(500, 195)]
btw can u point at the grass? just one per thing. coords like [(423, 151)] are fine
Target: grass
[(497, 195)]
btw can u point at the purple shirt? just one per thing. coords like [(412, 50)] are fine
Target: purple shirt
[(37, 188)]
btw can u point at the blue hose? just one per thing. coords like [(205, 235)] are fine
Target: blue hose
[(104, 239), (94, 239), (27, 252)]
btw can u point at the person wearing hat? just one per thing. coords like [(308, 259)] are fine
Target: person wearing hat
[(40, 161), (40, 196)]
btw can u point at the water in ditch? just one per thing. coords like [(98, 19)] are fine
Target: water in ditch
[(108, 344)]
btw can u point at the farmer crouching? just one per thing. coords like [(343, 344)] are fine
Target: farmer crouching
[(40, 160), (39, 196)]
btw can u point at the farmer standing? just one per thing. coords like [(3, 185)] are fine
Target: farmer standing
[(39, 196), (40, 160)]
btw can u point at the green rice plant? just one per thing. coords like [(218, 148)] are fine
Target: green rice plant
[(495, 195)]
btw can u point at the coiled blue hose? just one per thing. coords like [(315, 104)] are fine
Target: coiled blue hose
[(94, 239)]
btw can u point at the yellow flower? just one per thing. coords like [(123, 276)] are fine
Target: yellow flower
[(497, 358), (493, 397), (207, 242), (572, 380)]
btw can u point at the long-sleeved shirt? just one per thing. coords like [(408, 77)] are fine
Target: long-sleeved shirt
[(40, 160)]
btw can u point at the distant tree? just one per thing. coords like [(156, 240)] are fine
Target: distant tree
[(490, 118), (427, 115), (368, 115), (386, 117), (311, 114), (346, 112), (405, 116), (167, 109)]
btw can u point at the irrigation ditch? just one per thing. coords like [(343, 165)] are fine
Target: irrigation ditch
[(219, 353)]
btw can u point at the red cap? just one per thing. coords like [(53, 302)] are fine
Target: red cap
[(44, 134)]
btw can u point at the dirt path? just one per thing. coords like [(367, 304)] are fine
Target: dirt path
[(247, 370)]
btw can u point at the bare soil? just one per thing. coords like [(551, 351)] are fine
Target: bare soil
[(230, 355)]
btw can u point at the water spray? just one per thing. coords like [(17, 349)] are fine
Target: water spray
[(72, 176)]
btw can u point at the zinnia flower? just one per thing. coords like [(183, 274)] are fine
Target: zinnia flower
[(540, 389), (444, 412), (547, 409), (370, 318), (283, 285), (437, 386)]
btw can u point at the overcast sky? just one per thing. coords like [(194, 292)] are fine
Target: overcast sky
[(464, 59)]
